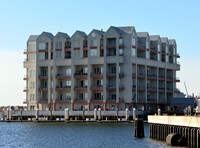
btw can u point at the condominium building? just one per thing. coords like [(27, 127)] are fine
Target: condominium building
[(111, 70)]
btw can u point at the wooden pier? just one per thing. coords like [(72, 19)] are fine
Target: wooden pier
[(70, 116), (184, 129)]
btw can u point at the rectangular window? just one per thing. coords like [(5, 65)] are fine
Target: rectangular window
[(77, 43), (41, 55), (113, 70), (32, 85), (68, 83), (93, 52), (121, 42), (58, 54), (31, 47), (159, 57), (147, 45), (68, 71), (41, 45), (167, 58), (77, 53), (159, 48), (94, 42), (32, 73), (133, 42), (32, 97), (32, 57), (147, 55), (133, 52)]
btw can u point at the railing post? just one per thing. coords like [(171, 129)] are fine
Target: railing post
[(66, 114), (95, 114), (134, 113), (127, 114)]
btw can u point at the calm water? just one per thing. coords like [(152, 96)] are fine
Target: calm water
[(73, 135)]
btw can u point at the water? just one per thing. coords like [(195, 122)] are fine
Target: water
[(112, 135)]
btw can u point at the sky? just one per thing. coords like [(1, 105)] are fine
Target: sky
[(175, 19)]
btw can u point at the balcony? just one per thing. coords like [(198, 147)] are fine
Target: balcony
[(152, 76), (80, 88), (152, 100), (95, 87), (151, 88), (66, 88), (141, 100), (133, 75), (134, 87), (161, 77), (25, 89), (43, 100), (141, 88), (113, 87), (141, 75), (43, 76), (111, 45), (161, 89), (97, 75), (169, 78), (25, 101), (26, 51), (80, 75), (170, 90), (80, 100), (111, 99), (177, 79), (141, 49), (43, 89), (25, 77), (97, 99), (64, 100), (63, 76)]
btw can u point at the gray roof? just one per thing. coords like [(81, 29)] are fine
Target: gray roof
[(64, 35), (142, 34), (32, 38), (182, 101), (154, 37), (164, 39), (49, 35), (119, 31), (172, 41), (83, 34), (128, 29), (99, 32)]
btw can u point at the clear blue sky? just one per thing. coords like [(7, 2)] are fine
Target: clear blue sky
[(175, 19)]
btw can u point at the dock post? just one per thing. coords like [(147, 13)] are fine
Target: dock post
[(134, 113), (139, 128), (159, 112), (37, 114), (3, 114), (21, 115), (95, 114), (10, 114), (7, 116), (66, 114), (127, 114), (99, 114), (83, 115)]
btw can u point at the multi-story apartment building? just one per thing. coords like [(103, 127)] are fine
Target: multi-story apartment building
[(111, 70)]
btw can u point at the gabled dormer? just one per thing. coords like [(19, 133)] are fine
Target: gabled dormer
[(61, 40), (143, 40), (44, 46)]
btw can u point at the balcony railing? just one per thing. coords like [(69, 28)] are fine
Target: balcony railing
[(62, 87), (80, 73), (111, 54), (63, 99), (63, 74), (80, 86), (43, 99), (80, 99), (97, 86), (111, 99), (97, 99)]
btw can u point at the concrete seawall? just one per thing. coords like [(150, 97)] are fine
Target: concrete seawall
[(187, 127)]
